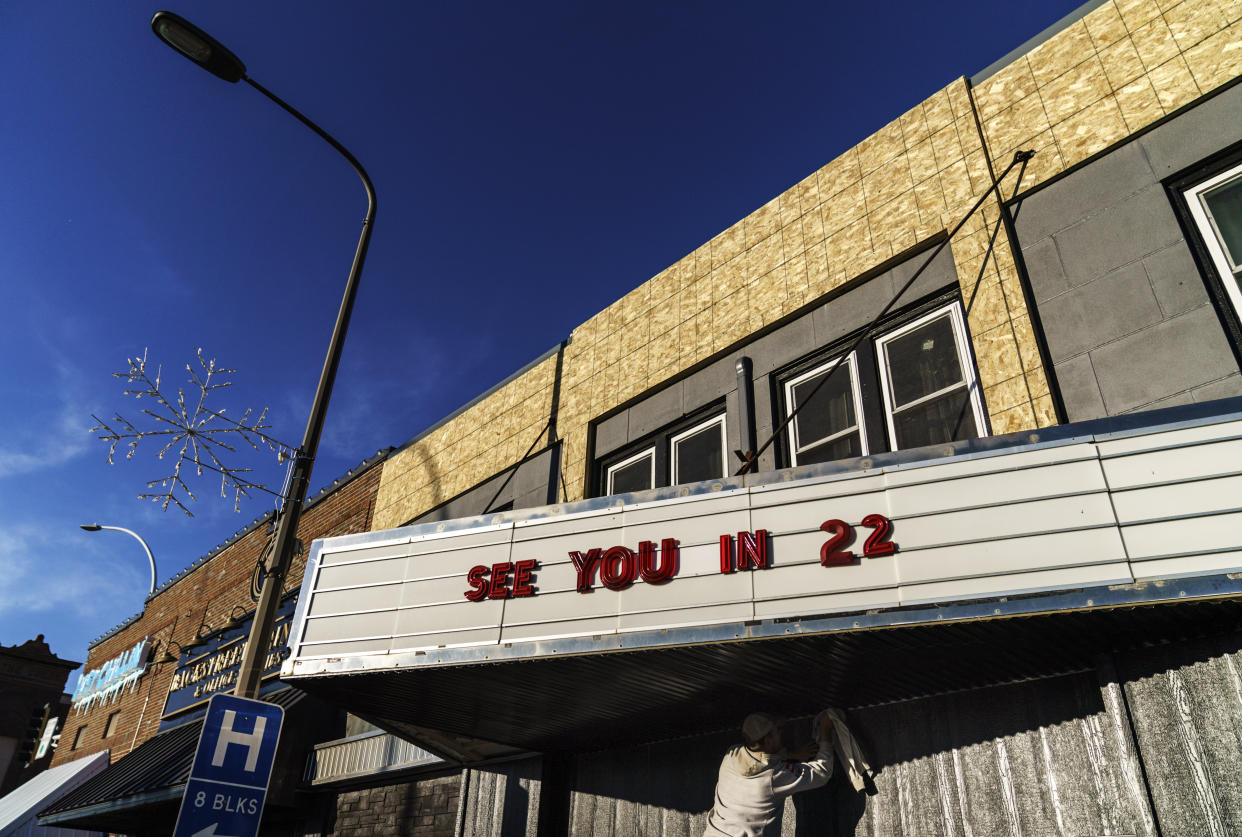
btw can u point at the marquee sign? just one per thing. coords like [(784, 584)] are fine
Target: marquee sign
[(1006, 518), (619, 567), (108, 680)]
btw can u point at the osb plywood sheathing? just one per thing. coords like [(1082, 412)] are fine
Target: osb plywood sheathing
[(1123, 66), (468, 449)]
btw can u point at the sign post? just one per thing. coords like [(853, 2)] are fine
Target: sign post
[(232, 766)]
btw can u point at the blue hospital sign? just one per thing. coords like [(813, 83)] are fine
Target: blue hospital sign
[(228, 783)]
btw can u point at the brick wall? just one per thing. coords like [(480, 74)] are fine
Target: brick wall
[(425, 808), (205, 595)]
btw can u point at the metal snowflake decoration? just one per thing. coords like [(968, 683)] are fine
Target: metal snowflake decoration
[(197, 435)]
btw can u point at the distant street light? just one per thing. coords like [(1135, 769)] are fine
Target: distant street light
[(211, 55), (95, 527)]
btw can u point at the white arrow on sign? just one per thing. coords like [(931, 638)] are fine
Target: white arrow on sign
[(209, 831)]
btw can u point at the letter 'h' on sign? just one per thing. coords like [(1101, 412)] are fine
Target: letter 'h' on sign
[(252, 741), (227, 787)]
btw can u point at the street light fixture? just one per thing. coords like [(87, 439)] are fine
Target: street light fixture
[(198, 46), (95, 527), (211, 55)]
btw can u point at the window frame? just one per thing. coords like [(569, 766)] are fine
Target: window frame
[(851, 361), (674, 438), (965, 358), (1206, 227), (610, 470), (112, 724)]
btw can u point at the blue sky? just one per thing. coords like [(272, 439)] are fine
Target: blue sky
[(533, 161)]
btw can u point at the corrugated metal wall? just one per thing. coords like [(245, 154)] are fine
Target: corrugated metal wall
[(1186, 702), (662, 790), (1040, 758), (1055, 756), (500, 801)]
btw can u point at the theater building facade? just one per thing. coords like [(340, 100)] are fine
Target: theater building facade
[(948, 435)]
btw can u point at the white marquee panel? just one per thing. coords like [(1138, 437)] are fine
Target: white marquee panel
[(1061, 515)]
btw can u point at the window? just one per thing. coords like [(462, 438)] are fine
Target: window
[(930, 392), (78, 736), (913, 385), (699, 453), (114, 721), (1216, 207), (829, 425), (690, 451), (634, 474)]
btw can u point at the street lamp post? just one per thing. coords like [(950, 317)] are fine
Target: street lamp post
[(211, 55), (95, 527)]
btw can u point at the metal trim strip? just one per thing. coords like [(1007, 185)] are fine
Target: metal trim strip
[(138, 800), (297, 628)]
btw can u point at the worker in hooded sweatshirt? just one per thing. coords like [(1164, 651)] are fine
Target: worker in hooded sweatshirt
[(756, 777)]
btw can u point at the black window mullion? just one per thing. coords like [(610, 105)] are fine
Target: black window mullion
[(872, 399), (663, 477)]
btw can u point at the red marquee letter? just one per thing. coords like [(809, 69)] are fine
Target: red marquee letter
[(726, 553), (617, 568), (500, 577), (647, 561), (752, 550), (521, 578), (585, 565), (476, 580)]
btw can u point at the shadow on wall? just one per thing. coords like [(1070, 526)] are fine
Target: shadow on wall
[(427, 464)]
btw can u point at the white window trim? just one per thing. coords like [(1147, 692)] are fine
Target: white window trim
[(965, 359), (851, 363), (724, 446), (630, 461), (1207, 230)]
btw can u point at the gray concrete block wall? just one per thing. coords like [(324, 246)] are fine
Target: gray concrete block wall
[(1127, 317), (420, 808)]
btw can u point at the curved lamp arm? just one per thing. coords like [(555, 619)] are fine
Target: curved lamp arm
[(95, 527)]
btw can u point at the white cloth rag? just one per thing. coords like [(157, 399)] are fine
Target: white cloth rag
[(848, 752)]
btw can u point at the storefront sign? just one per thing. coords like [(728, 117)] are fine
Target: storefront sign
[(212, 668), (107, 681)]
